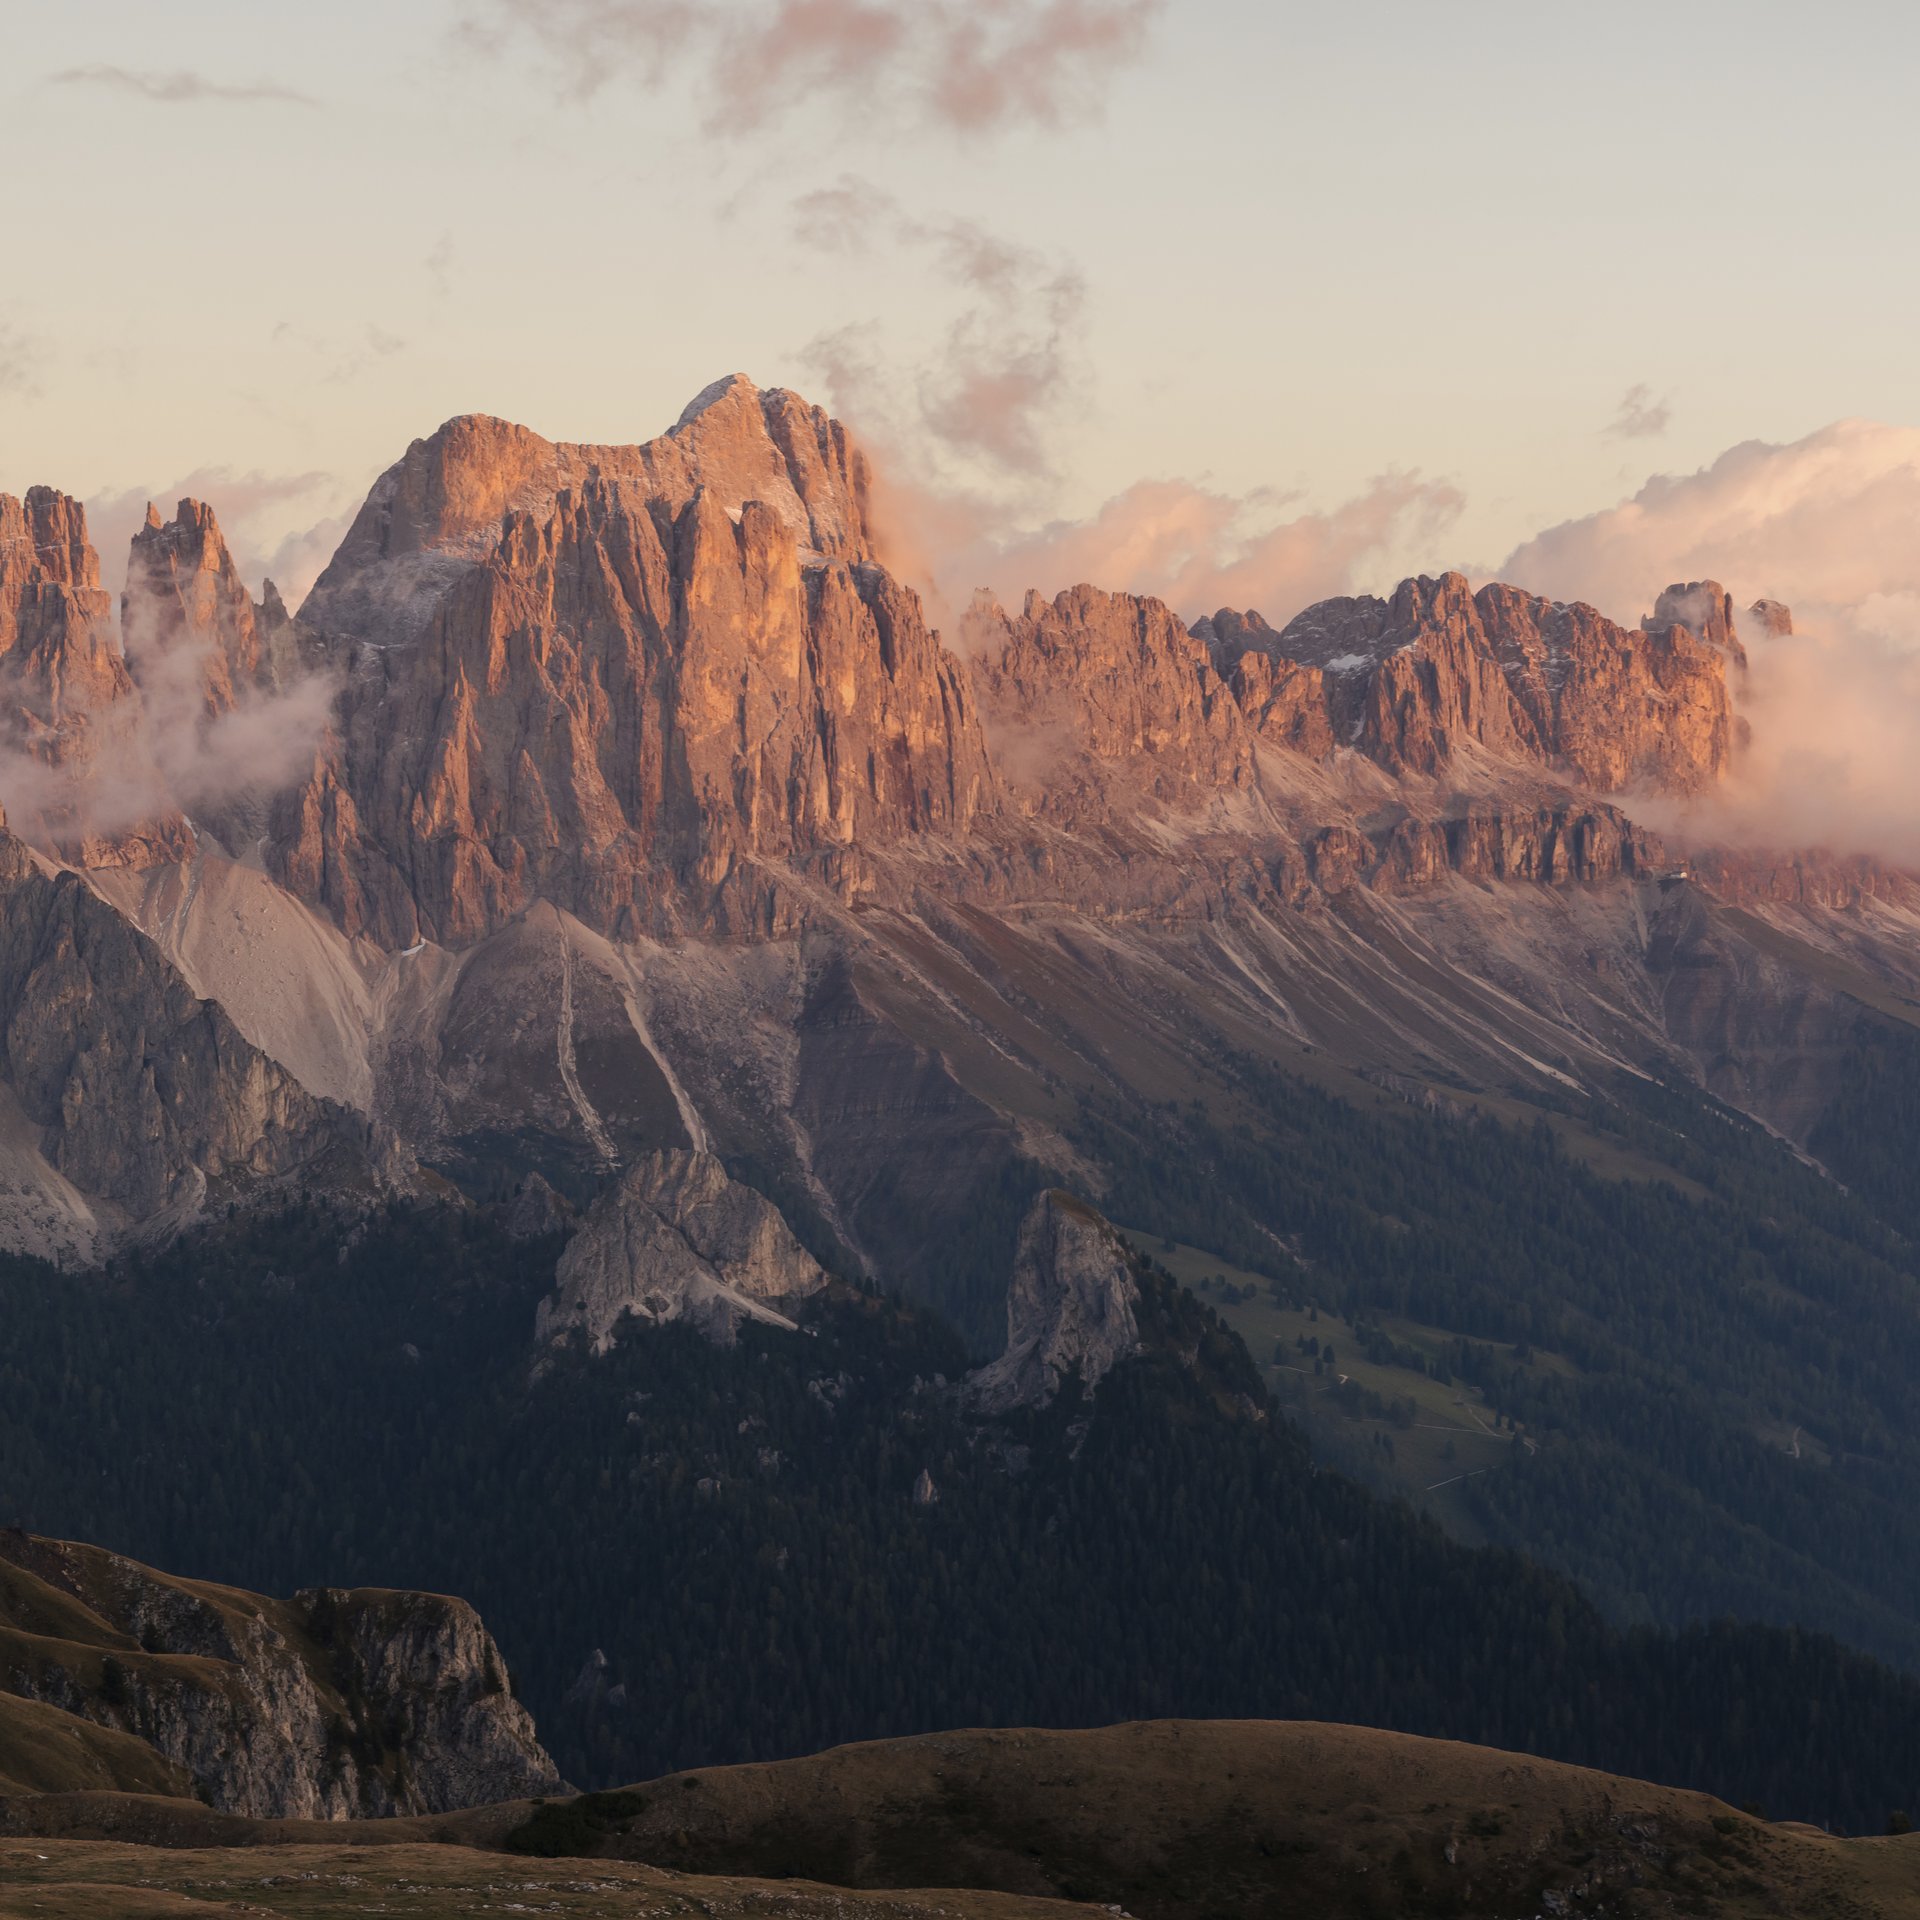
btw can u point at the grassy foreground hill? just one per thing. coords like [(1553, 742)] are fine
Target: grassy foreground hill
[(1163, 1820)]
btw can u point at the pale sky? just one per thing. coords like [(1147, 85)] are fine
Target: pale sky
[(1285, 247)]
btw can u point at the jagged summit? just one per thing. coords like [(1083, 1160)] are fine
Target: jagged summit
[(447, 494), (626, 679), (1413, 679)]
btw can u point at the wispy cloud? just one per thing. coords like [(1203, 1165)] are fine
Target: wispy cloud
[(971, 66), (182, 87), (439, 265), (342, 359), (1640, 416), (22, 356), (992, 395)]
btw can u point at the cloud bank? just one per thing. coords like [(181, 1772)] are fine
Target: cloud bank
[(1829, 525), (1194, 547)]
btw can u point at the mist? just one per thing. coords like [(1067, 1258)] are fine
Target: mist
[(1826, 524), (84, 759)]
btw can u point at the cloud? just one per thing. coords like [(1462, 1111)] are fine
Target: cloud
[(1640, 416), (138, 759), (439, 265), (342, 359), (1823, 523), (1826, 524), (1194, 547), (181, 88), (986, 405), (969, 66)]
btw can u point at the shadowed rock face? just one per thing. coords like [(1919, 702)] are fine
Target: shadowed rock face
[(118, 1079), (1070, 1308), (332, 1705), (676, 1239), (636, 681)]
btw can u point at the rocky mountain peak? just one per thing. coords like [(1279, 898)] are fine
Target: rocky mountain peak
[(1413, 680), (68, 713), (186, 616), (645, 683), (1104, 699), (1704, 608), (444, 501)]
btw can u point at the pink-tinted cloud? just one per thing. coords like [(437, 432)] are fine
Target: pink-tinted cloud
[(988, 404), (970, 66), (1194, 547)]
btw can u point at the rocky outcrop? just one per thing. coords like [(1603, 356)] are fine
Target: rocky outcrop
[(133, 1092), (1554, 843), (1070, 1309), (638, 682), (332, 1705), (1413, 680), (676, 1239)]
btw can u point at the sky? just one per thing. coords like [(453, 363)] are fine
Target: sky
[(1216, 297)]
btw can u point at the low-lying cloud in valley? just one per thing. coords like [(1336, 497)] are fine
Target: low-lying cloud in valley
[(1828, 525)]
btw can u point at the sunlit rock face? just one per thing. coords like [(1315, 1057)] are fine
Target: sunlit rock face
[(635, 681), (188, 623), (1412, 680)]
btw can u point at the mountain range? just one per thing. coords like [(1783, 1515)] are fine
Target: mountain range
[(649, 813), (609, 857)]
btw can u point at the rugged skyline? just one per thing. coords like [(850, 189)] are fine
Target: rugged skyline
[(1359, 316)]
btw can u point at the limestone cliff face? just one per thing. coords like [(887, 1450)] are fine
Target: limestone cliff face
[(133, 1091), (1099, 700), (67, 702), (1070, 1308), (331, 1705), (676, 1239), (1412, 680), (637, 682), (1553, 842)]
